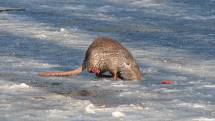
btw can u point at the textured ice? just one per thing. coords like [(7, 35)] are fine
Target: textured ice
[(16, 86), (203, 119), (90, 108), (172, 40), (118, 114)]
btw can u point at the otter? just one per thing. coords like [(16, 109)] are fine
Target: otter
[(106, 55)]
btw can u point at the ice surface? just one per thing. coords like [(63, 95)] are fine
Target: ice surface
[(118, 114), (172, 40)]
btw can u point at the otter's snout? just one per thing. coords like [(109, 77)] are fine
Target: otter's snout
[(131, 71)]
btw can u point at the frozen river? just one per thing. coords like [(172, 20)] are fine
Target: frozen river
[(171, 40)]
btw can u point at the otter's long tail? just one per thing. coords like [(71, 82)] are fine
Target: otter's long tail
[(65, 73)]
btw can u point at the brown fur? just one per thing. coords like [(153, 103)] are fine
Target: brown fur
[(106, 54)]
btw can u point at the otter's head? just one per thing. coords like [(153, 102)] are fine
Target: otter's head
[(131, 71)]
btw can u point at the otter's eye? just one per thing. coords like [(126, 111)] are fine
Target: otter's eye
[(126, 65)]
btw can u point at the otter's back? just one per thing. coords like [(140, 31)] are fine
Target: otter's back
[(106, 53)]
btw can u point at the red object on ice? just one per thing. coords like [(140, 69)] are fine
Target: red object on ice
[(167, 82)]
